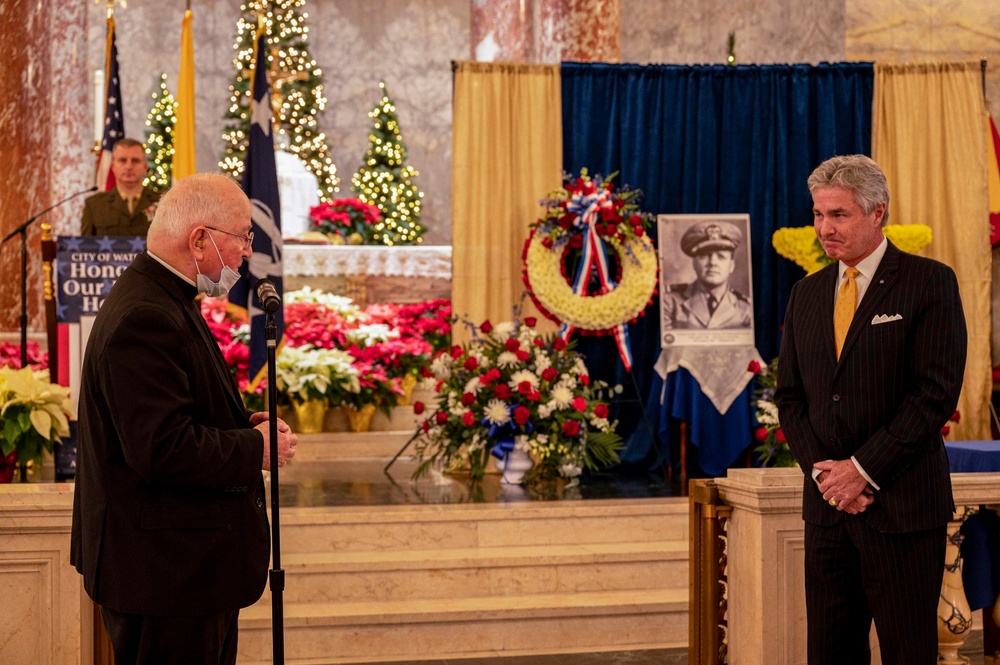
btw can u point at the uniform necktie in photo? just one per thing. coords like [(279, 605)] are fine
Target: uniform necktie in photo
[(843, 311)]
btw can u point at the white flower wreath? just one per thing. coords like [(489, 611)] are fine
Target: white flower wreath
[(543, 275)]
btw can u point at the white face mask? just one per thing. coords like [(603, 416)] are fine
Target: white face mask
[(227, 277)]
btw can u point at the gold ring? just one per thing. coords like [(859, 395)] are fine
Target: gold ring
[(833, 502)]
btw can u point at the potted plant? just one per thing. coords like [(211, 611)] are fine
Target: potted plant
[(314, 379), (345, 220), (35, 414), (376, 390), (513, 393)]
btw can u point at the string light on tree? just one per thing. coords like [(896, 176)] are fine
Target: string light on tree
[(383, 181), (296, 91), (160, 138)]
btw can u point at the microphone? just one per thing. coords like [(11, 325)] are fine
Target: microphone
[(267, 296), (22, 227)]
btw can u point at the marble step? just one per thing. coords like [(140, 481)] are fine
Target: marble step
[(337, 446), (496, 571), (506, 625), (476, 526)]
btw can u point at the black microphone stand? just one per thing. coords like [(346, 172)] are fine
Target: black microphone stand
[(277, 575), (23, 231)]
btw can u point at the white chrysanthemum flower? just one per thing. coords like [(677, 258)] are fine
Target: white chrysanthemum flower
[(542, 361), (561, 396), (473, 386), (767, 413), (507, 359), (441, 367), (503, 330), (497, 412), (545, 410), (519, 377)]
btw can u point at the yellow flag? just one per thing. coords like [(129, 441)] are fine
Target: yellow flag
[(183, 163)]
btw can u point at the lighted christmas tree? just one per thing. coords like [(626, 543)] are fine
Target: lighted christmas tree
[(296, 91), (383, 180), (160, 138)]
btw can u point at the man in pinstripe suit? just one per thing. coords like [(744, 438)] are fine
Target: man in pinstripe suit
[(862, 402)]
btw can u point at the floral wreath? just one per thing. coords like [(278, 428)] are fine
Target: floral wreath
[(590, 222)]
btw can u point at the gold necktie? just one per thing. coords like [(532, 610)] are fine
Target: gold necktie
[(843, 311)]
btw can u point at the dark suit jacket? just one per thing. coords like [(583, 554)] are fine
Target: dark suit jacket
[(106, 214), (885, 401), (168, 516)]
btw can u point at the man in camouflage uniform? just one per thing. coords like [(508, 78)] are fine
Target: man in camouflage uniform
[(709, 301)]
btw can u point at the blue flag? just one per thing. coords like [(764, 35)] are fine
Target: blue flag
[(260, 182)]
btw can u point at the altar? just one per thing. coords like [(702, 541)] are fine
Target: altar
[(369, 273)]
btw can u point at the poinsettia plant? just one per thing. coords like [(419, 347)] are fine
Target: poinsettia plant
[(34, 414), (513, 383), (346, 220)]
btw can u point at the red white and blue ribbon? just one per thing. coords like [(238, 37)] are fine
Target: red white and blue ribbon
[(595, 254)]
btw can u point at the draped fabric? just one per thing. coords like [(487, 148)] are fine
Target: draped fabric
[(507, 155), (710, 139), (929, 136)]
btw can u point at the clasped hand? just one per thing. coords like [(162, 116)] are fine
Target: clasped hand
[(842, 483), (287, 439)]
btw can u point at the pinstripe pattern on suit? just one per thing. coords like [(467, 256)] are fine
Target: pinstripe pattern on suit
[(884, 402)]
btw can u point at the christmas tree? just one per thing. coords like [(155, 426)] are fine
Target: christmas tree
[(160, 138), (383, 181), (296, 91)]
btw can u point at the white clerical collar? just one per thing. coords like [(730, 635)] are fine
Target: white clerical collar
[(171, 268)]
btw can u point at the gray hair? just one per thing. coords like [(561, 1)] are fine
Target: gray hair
[(858, 174), (199, 199)]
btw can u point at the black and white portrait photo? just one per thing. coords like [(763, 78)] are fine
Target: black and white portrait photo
[(705, 279)]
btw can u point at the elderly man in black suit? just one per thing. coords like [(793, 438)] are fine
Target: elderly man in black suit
[(870, 370), (128, 208), (170, 530)]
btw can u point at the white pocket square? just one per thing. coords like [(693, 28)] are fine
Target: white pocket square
[(885, 318)]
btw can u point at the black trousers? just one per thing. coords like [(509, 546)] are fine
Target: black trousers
[(854, 575), (153, 640)]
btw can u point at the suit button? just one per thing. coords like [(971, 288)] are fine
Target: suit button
[(836, 398), (260, 502)]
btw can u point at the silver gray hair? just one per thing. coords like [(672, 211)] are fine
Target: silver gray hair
[(200, 198), (857, 173)]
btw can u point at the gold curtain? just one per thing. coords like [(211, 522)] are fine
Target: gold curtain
[(929, 136), (506, 156)]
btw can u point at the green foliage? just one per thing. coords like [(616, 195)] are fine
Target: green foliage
[(19, 434), (384, 181)]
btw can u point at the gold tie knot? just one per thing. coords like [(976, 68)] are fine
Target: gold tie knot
[(843, 311)]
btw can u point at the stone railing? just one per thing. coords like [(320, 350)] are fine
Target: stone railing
[(765, 571)]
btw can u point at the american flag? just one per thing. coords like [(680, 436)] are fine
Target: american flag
[(260, 182), (114, 123)]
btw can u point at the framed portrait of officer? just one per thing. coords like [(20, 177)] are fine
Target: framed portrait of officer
[(705, 280)]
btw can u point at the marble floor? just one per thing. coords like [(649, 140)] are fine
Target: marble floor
[(368, 483), (652, 657)]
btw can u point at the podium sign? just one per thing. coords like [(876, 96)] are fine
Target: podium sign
[(86, 269)]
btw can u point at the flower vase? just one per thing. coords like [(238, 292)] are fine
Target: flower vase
[(407, 383), (514, 465), (360, 419), (310, 415)]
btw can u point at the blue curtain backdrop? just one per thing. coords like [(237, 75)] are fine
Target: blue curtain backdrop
[(710, 139)]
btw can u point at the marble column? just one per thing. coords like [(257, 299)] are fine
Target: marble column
[(546, 30), (43, 114)]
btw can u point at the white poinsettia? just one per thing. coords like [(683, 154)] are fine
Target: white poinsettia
[(371, 334), (48, 403), (342, 305), (311, 373)]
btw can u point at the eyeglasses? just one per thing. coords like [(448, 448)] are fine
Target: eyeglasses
[(248, 238)]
